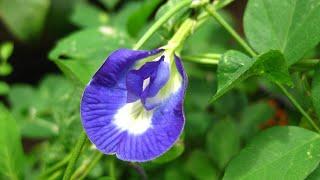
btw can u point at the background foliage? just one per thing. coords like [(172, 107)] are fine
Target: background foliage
[(232, 138)]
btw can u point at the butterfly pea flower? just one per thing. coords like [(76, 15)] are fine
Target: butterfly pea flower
[(133, 105)]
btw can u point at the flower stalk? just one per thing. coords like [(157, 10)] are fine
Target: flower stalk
[(75, 155), (161, 21), (176, 42)]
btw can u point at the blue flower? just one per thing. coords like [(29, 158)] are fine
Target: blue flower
[(133, 106)]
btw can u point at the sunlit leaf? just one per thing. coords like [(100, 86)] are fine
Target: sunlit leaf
[(5, 69), (25, 19), (139, 18), (235, 67), (291, 26), (174, 20), (11, 154), (4, 88), (82, 53), (6, 49), (87, 15), (277, 153)]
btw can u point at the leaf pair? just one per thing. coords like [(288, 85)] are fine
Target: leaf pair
[(235, 67)]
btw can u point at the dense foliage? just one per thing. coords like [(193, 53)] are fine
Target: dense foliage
[(252, 104)]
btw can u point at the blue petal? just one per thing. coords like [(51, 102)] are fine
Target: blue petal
[(107, 94), (137, 78)]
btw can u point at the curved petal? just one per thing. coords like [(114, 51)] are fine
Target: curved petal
[(118, 63), (128, 129)]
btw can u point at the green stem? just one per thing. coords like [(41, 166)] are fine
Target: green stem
[(245, 45), (56, 167), (55, 175), (211, 11), (297, 105), (112, 170), (181, 34), (75, 155), (307, 63), (84, 170), (161, 21), (202, 59)]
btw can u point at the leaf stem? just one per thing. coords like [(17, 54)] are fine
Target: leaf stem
[(75, 155), (203, 59), (56, 167), (84, 170), (211, 11), (245, 46), (180, 35), (161, 21), (112, 170), (297, 105)]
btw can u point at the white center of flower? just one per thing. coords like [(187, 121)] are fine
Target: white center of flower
[(134, 118)]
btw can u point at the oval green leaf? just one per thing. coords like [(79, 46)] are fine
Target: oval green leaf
[(278, 153), (291, 26)]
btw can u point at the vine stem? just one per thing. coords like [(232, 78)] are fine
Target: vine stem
[(185, 29), (75, 155), (297, 105), (84, 170), (202, 59), (160, 22), (211, 11), (56, 167)]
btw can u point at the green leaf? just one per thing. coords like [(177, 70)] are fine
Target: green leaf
[(273, 66), (172, 154), (139, 18), (6, 49), (18, 92), (5, 69), (200, 167), (252, 117), (43, 112), (200, 93), (315, 91), (174, 21), (221, 3), (210, 35), (277, 153), (11, 154), (120, 19), (232, 68), (25, 19), (110, 4), (223, 142), (231, 103), (198, 123), (4, 88), (235, 67), (315, 175), (82, 53), (175, 171), (291, 26), (87, 15)]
